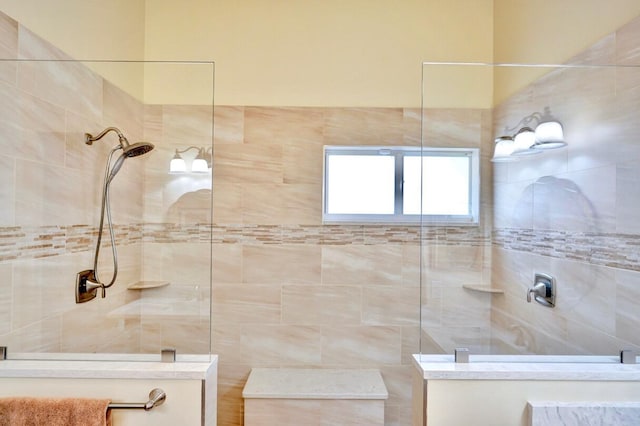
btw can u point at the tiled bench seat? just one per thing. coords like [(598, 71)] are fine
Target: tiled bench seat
[(314, 397)]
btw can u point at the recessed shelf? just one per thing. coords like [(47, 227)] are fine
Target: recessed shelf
[(142, 285), (482, 289)]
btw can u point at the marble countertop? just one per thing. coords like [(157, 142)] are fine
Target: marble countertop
[(316, 383), (106, 366), (525, 367)]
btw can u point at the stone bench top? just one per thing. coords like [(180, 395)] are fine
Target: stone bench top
[(317, 383)]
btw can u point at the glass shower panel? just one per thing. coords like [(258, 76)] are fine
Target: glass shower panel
[(53, 190), (560, 204)]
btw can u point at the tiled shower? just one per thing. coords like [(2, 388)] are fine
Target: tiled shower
[(283, 289)]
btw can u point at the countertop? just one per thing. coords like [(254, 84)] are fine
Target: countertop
[(107, 366), (526, 367)]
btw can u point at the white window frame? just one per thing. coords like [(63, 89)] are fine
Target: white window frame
[(398, 217)]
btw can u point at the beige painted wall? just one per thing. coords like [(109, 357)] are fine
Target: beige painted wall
[(318, 53), (550, 32), (90, 29), (321, 53)]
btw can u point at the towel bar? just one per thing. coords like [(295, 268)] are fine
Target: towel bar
[(156, 397)]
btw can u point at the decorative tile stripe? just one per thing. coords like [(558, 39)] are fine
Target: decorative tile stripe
[(34, 242), (44, 241), (614, 250)]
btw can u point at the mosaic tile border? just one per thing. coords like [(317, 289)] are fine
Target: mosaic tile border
[(36, 242), (614, 250)]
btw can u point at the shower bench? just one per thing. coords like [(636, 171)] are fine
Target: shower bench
[(296, 396)]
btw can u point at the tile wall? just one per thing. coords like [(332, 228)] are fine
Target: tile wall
[(572, 213), (51, 197)]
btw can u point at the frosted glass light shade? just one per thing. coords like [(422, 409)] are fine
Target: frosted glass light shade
[(177, 165), (524, 141), (199, 165), (503, 149), (549, 135)]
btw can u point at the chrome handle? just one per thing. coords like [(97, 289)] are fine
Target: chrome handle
[(540, 289), (543, 291)]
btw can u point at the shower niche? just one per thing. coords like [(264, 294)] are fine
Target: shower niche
[(70, 212)]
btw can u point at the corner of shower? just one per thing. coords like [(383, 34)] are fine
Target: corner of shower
[(541, 130), (133, 234)]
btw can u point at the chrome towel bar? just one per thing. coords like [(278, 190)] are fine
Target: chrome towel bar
[(156, 397)]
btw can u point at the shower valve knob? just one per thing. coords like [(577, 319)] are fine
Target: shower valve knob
[(543, 291)]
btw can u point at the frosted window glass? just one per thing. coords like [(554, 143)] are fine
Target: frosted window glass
[(360, 184), (445, 185)]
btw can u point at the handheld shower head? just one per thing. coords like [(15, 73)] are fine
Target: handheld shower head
[(88, 282), (137, 148), (130, 150)]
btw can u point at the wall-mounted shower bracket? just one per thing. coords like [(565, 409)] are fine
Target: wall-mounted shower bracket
[(543, 290), (86, 287)]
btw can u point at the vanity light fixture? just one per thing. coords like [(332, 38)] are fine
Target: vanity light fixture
[(548, 134), (200, 164), (503, 150)]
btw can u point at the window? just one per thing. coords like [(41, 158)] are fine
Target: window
[(399, 184)]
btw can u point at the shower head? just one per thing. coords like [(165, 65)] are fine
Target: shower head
[(129, 150), (136, 149)]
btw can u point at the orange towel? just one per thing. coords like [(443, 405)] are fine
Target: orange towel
[(54, 412)]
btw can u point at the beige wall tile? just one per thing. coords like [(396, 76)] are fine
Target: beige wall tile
[(627, 302), (7, 191), (228, 124), (45, 195), (276, 345), (262, 203), (122, 111), (6, 298), (42, 336), (8, 48), (248, 163), (627, 198), (291, 264), (364, 265), (586, 294), (302, 204), (303, 161), (627, 48), (460, 128), (269, 125), (236, 304), (65, 83), (361, 345), (226, 262), (227, 202), (412, 124), (187, 125), (410, 343), (579, 201), (321, 305), (363, 126), (41, 128), (391, 305)]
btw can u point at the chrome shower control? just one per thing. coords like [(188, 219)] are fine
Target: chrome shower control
[(543, 290)]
